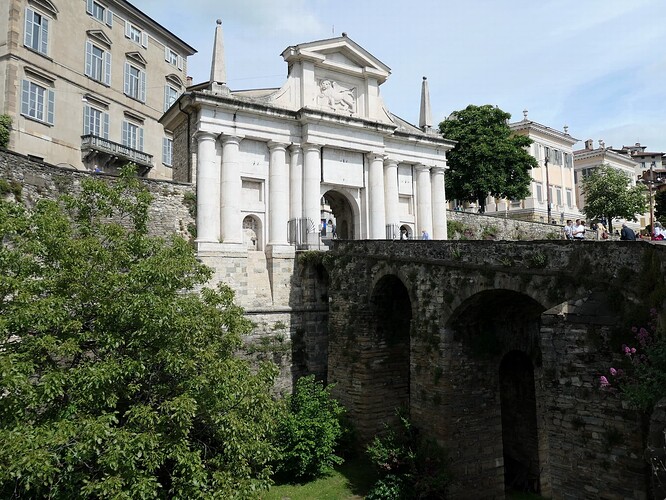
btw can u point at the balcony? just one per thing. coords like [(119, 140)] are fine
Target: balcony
[(107, 156)]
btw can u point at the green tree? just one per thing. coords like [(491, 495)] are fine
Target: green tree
[(609, 196), (660, 206), (115, 379), (5, 128), (489, 160)]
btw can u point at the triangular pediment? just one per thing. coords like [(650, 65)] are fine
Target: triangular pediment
[(137, 57), (47, 6), (339, 54), (100, 36)]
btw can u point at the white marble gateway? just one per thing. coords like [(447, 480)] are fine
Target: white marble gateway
[(276, 169)]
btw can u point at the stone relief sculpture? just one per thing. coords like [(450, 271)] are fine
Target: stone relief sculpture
[(336, 98)]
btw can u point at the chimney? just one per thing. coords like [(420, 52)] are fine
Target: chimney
[(188, 82), (589, 144)]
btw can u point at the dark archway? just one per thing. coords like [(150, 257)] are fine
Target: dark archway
[(343, 215), (519, 423), (392, 313), (500, 331)]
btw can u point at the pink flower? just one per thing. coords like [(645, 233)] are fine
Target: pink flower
[(633, 350), (613, 371), (604, 382)]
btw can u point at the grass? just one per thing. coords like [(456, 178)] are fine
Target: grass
[(351, 480)]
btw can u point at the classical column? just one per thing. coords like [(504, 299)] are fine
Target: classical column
[(311, 187), (391, 196), (424, 197), (438, 204), (208, 189), (231, 191), (278, 189), (296, 182), (377, 217)]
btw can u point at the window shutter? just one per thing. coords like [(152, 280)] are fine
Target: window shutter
[(105, 125), (166, 97), (166, 54), (86, 120), (50, 117), (140, 146), (89, 6), (89, 58), (142, 86), (27, 40), (144, 39), (107, 67), (164, 150), (45, 36), (128, 28), (127, 78), (25, 97), (180, 63), (109, 18), (125, 139)]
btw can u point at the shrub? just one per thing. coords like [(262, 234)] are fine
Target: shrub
[(308, 430), (5, 129), (409, 465)]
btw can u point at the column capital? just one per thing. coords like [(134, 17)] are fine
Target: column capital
[(390, 161), (202, 135), (437, 169), (308, 146), (274, 145), (295, 147), (421, 167), (372, 156), (230, 139)]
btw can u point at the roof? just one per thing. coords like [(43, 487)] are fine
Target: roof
[(529, 124)]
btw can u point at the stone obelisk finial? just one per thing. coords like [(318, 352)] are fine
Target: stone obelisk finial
[(425, 119), (218, 72)]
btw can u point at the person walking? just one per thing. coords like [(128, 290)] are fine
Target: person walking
[(568, 230), (579, 230), (425, 235)]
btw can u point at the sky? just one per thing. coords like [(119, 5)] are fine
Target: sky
[(597, 66)]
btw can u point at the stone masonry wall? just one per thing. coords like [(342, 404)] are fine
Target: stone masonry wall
[(169, 213), (561, 303)]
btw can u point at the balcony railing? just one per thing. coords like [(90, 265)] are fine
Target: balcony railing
[(98, 144)]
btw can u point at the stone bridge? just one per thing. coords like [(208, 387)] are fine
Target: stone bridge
[(495, 349)]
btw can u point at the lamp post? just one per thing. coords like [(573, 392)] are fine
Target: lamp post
[(548, 201), (650, 182)]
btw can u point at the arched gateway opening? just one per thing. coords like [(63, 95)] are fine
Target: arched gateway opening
[(391, 310), (519, 423), (337, 208), (500, 332)]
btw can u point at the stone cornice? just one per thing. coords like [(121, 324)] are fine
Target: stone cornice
[(603, 154), (543, 129)]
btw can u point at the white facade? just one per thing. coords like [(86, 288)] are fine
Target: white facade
[(552, 180), (267, 162)]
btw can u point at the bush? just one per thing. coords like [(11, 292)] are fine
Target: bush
[(116, 380), (308, 430), (409, 466), (5, 129)]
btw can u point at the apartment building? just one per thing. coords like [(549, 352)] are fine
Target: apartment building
[(553, 189), (86, 81)]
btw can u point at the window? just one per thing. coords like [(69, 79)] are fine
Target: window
[(99, 12), (132, 135), (36, 31), (569, 197), (537, 150), (170, 96), (98, 63), (539, 193), (557, 157), (558, 192), (173, 58), (135, 82), (135, 34), (37, 102), (95, 122), (167, 151), (568, 160), (546, 153)]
